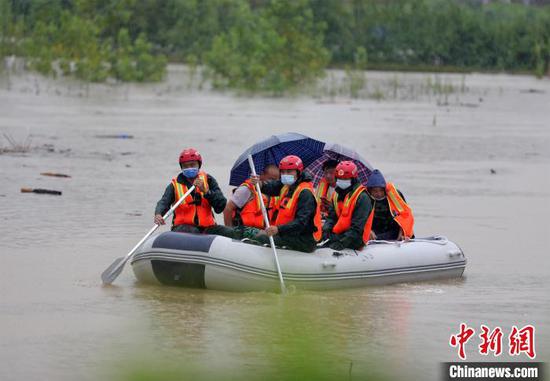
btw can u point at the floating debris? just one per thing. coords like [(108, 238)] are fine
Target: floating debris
[(533, 91), (53, 174), (117, 136), (41, 191), (493, 171), (471, 105), (15, 146)]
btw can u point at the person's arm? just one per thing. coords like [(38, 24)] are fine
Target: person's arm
[(215, 195), (238, 200), (228, 213), (358, 220), (305, 211), (164, 204)]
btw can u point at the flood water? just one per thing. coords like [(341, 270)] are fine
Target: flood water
[(475, 167)]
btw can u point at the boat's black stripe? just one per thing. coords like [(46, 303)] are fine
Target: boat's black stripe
[(341, 275), (184, 241)]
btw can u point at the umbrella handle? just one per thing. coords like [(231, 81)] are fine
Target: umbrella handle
[(266, 221)]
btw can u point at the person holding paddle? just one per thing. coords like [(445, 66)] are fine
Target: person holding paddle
[(297, 217), (196, 213)]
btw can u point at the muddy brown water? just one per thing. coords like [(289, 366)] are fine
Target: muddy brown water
[(475, 168)]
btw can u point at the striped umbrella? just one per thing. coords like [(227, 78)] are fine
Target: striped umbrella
[(272, 150), (339, 152)]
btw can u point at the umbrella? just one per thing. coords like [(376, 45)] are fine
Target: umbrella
[(272, 150), (338, 152)]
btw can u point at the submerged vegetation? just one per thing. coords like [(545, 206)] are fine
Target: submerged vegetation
[(272, 45)]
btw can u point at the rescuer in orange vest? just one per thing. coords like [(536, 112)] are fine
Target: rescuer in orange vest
[(393, 217), (297, 217), (243, 208), (195, 214), (350, 216), (326, 186)]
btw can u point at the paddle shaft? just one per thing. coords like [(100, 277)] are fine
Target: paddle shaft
[(266, 221), (153, 229)]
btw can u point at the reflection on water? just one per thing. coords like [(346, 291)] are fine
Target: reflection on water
[(479, 175)]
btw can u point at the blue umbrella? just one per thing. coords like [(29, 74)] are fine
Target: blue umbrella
[(272, 150)]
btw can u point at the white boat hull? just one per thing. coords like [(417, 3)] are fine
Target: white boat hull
[(219, 263)]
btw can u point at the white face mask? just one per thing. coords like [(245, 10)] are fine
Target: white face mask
[(288, 179), (343, 184)]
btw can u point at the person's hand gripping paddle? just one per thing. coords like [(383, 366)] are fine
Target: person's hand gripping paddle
[(112, 272)]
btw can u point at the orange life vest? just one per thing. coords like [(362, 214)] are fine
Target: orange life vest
[(286, 208), (322, 189), (401, 212), (187, 213), (322, 192), (344, 210), (251, 212), (271, 205)]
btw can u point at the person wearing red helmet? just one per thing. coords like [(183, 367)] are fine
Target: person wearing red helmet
[(195, 214), (349, 220), (297, 217)]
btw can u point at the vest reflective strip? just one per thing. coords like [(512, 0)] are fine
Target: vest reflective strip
[(284, 191), (395, 201), (180, 191), (355, 194), (294, 198), (347, 200), (322, 189), (252, 190)]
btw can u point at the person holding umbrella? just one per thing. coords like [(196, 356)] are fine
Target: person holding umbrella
[(195, 214), (349, 220), (297, 218), (243, 207)]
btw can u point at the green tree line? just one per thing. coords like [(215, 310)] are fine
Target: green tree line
[(271, 44)]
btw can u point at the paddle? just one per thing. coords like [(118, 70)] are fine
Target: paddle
[(266, 221), (112, 272)]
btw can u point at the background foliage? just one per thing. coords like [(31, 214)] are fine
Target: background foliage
[(271, 45)]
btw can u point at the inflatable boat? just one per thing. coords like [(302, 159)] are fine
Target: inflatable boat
[(220, 263)]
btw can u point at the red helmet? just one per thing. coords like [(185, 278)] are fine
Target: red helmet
[(346, 170), (291, 162), (190, 154)]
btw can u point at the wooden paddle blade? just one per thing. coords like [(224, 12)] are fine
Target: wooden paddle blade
[(112, 272)]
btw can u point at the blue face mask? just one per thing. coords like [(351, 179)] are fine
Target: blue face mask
[(343, 184), (190, 173), (288, 179)]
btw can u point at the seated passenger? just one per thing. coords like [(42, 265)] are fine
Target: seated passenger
[(243, 208), (297, 217), (326, 186), (350, 216), (393, 217)]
